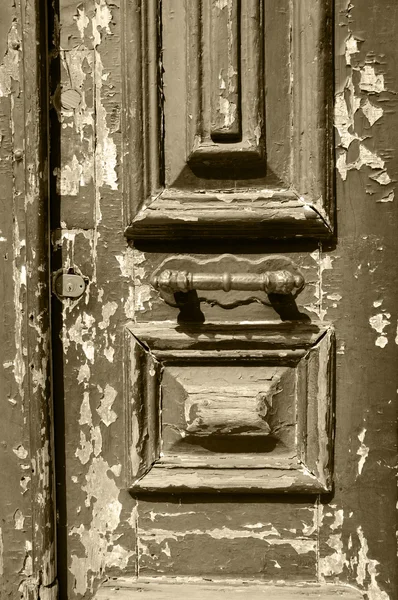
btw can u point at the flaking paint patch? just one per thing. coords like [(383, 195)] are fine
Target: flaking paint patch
[(19, 520), (389, 198), (74, 175), (9, 67), (82, 333), (101, 21), (348, 101), (82, 21), (21, 452), (108, 310), (108, 396), (99, 538), (325, 262), (18, 245), (379, 322), (160, 536), (367, 568), (370, 81), (105, 150), (363, 451), (372, 113), (139, 298), (334, 563), (85, 410)]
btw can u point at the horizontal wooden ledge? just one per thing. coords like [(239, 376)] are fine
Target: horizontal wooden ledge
[(171, 479), (205, 216), (276, 337), (230, 461), (129, 589)]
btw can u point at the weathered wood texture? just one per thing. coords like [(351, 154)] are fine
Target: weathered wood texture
[(96, 531), (27, 516), (163, 454), (348, 537), (357, 536), (215, 164), (128, 590)]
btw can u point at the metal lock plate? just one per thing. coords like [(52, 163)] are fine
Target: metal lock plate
[(69, 285)]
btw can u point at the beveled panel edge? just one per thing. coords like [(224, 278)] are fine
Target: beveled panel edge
[(147, 217), (313, 105), (225, 216), (165, 478), (163, 588), (313, 470), (272, 335)]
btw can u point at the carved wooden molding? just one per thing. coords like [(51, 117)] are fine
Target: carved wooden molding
[(242, 144), (229, 407), (169, 589)]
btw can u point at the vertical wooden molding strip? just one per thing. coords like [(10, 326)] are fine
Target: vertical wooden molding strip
[(34, 39), (225, 71)]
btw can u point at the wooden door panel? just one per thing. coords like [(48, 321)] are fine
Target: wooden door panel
[(123, 167), (190, 429), (241, 143)]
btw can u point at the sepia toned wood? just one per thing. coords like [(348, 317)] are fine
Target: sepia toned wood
[(27, 500), (217, 590), (275, 274), (346, 536), (225, 37), (228, 411), (205, 183), (225, 71), (227, 337), (143, 405), (233, 405), (306, 468), (271, 282)]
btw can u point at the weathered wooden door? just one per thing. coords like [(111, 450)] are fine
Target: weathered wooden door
[(224, 297)]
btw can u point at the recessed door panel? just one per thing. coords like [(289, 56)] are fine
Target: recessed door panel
[(233, 122)]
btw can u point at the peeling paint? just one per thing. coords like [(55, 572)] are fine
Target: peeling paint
[(139, 298), (363, 451), (367, 567), (301, 546), (20, 451), (372, 113), (82, 328), (98, 539), (333, 564), (19, 519), (370, 81), (9, 67), (105, 411), (379, 322), (348, 101)]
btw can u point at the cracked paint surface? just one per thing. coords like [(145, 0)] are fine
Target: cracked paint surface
[(257, 538), (362, 93)]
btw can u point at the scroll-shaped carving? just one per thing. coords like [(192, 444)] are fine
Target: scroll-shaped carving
[(242, 144), (228, 407)]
